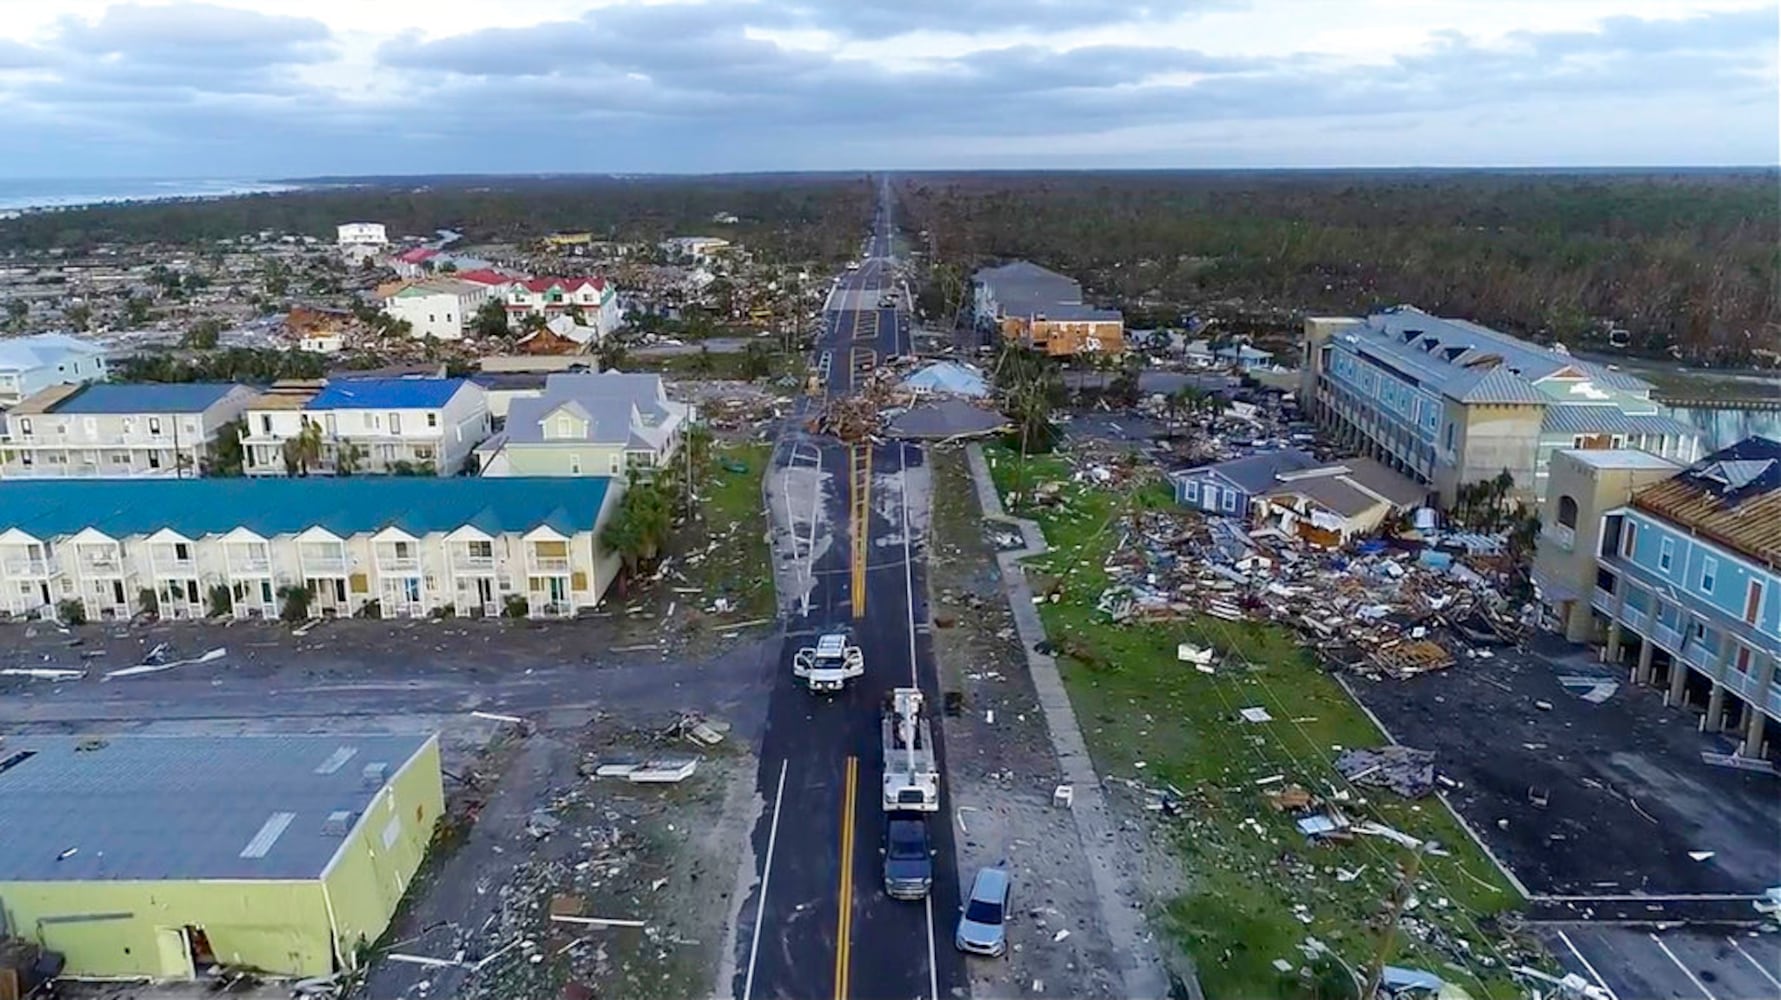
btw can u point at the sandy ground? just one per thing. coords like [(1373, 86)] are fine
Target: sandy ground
[(1002, 769)]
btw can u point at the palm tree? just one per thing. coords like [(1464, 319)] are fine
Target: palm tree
[(640, 527), (304, 451)]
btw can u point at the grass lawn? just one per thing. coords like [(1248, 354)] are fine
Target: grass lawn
[(732, 533), (1256, 889)]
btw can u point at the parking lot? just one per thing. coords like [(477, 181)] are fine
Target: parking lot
[(1608, 816)]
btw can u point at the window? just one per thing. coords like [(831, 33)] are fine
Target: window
[(1697, 630), (1230, 500), (432, 419), (1447, 436), (395, 423), (25, 425), (575, 465), (615, 463), (1742, 663), (182, 551), (266, 423), (1753, 601), (564, 427), (1666, 554), (1709, 570), (154, 425), (482, 550), (1191, 492), (1630, 540), (1567, 511)]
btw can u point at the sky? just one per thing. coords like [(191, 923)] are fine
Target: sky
[(281, 88)]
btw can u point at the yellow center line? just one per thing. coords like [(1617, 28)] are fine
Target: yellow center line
[(844, 919), (860, 459)]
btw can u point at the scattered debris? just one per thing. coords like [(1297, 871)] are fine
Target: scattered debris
[(156, 662), (1404, 770)]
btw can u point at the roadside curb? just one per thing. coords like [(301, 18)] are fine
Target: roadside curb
[(1141, 971)]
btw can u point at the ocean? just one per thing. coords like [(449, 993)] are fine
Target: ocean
[(24, 193)]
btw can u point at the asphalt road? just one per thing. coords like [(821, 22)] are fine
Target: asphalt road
[(820, 756)]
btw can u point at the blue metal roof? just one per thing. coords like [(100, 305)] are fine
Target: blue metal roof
[(145, 397), (419, 505), (185, 807), (386, 394)]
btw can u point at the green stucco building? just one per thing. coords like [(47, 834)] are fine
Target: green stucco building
[(149, 856)]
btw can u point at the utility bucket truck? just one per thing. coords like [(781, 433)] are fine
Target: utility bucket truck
[(827, 665), (911, 775)]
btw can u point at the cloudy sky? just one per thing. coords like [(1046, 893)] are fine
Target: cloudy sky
[(280, 88)]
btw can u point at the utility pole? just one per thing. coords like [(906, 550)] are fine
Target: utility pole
[(1389, 935)]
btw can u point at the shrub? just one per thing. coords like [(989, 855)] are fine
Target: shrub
[(296, 603), (515, 606), (71, 611)]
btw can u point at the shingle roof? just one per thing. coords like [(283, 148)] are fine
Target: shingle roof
[(268, 506), (147, 397), (1732, 496), (1577, 418), (387, 394), (1332, 492), (1255, 473), (184, 807)]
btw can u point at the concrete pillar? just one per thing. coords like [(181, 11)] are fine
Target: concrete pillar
[(1715, 720), (1678, 681), (1754, 719), (1642, 673)]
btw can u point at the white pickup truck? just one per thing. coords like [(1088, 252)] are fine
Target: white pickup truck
[(829, 664)]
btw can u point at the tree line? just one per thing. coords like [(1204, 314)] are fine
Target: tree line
[(793, 218), (1685, 260)]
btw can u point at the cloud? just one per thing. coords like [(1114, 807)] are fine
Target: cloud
[(731, 84)]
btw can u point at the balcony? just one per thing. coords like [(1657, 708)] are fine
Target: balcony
[(465, 562), (30, 567), (1565, 538), (323, 565), (1667, 637), (255, 564), (399, 565), (101, 566), (1742, 685), (1699, 655), (550, 564)]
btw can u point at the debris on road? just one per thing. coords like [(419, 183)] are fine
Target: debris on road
[(1404, 770), (156, 662)]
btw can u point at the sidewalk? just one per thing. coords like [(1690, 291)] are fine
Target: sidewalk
[(1122, 904)]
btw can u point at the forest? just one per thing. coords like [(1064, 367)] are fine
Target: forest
[(784, 218), (1685, 262)]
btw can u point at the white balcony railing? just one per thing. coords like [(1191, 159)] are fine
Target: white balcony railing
[(30, 567), (465, 562), (550, 564), (323, 565), (398, 564), (1699, 655), (1667, 637), (249, 565)]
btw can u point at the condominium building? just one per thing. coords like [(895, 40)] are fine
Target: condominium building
[(605, 424), (1450, 402), (1687, 578), (1043, 310), (421, 426), (31, 364), (595, 300), (440, 308), (118, 431), (394, 548)]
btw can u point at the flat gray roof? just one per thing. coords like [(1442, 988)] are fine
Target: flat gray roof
[(1621, 458), (155, 808)]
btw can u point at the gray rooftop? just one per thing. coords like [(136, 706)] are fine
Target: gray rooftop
[(1579, 418), (184, 807), (1469, 362), (621, 408), (1023, 287), (1621, 458), (1255, 473)]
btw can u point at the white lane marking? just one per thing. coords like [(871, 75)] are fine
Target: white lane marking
[(933, 966), (1685, 969), (1603, 983), (1766, 974), (915, 681), (760, 910)]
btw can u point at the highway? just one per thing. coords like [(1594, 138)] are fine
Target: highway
[(818, 923)]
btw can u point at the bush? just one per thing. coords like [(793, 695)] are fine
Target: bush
[(515, 606), (71, 611), (370, 609), (148, 601), (222, 602), (296, 603)]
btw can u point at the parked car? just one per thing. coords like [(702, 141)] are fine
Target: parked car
[(983, 918), (908, 858)]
